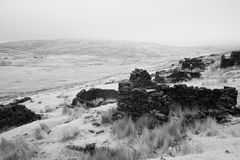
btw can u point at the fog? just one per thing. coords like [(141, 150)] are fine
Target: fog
[(170, 22)]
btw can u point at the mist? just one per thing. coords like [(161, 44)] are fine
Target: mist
[(170, 22)]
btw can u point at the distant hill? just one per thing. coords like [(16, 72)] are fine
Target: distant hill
[(42, 64)]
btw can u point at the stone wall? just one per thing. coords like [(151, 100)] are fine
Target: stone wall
[(95, 97), (158, 100), (15, 115), (234, 59), (192, 63)]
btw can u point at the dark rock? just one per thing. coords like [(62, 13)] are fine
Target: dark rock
[(89, 148), (12, 115), (96, 124), (95, 97), (99, 132), (91, 131)]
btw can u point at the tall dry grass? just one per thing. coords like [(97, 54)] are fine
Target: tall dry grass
[(16, 150)]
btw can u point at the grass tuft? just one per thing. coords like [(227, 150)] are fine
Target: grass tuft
[(17, 150), (124, 128), (70, 133)]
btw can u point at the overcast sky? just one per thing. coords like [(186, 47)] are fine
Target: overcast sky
[(170, 22)]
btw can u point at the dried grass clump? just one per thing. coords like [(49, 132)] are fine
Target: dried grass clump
[(124, 128), (107, 117), (39, 131), (66, 110), (121, 153), (48, 109), (44, 126), (70, 133), (234, 131), (160, 137), (16, 150), (206, 127)]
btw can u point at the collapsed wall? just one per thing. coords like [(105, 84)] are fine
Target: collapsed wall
[(233, 60), (95, 97), (13, 115), (192, 63), (157, 100)]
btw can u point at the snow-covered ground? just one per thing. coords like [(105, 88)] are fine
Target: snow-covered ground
[(61, 76)]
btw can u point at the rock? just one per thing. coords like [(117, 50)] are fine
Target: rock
[(99, 132), (89, 148), (227, 151), (95, 97), (91, 131), (13, 115), (96, 124)]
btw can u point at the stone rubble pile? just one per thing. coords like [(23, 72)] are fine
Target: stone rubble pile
[(13, 115), (95, 97), (157, 100), (233, 60), (180, 76), (192, 63)]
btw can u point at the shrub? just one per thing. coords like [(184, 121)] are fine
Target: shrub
[(17, 150)]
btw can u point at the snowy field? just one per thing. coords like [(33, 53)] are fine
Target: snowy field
[(29, 66)]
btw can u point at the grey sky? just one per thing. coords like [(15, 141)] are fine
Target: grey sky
[(171, 22)]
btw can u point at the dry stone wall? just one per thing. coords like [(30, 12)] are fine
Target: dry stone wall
[(158, 99)]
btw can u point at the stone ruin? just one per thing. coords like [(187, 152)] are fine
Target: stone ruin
[(233, 60), (180, 76), (95, 97), (158, 100), (192, 63), (14, 114), (174, 76)]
